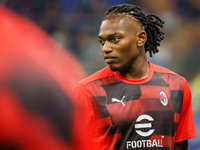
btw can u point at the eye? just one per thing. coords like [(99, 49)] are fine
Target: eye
[(101, 41), (115, 39)]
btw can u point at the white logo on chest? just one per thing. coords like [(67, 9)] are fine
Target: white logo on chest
[(163, 98), (119, 101), (139, 125)]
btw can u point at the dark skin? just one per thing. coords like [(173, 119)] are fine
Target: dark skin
[(122, 44)]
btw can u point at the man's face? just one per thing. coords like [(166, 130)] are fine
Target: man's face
[(118, 38)]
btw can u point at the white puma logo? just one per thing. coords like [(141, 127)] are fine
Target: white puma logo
[(116, 100)]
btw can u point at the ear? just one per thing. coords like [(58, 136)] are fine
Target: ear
[(142, 38)]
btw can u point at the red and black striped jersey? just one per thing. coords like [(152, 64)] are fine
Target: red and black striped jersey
[(151, 113)]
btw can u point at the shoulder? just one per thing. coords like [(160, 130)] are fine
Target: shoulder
[(170, 76), (163, 70), (103, 73)]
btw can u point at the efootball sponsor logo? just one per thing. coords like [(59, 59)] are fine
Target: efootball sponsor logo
[(144, 143), (144, 130), (139, 126)]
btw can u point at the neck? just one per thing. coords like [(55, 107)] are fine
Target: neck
[(139, 70)]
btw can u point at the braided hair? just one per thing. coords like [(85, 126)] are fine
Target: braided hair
[(151, 23)]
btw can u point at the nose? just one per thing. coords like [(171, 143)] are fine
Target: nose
[(106, 47)]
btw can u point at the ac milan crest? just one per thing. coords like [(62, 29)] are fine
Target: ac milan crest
[(163, 98)]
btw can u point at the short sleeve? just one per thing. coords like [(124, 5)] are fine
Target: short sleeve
[(86, 116), (186, 128)]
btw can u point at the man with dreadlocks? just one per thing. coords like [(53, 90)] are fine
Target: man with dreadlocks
[(135, 104)]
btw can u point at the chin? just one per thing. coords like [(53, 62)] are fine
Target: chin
[(114, 68)]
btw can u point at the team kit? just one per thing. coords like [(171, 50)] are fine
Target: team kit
[(135, 114)]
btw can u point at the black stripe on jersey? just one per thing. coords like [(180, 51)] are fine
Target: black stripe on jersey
[(177, 100), (99, 107), (163, 122), (120, 89), (40, 95), (109, 130), (157, 80)]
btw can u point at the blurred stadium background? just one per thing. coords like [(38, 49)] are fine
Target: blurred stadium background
[(74, 24)]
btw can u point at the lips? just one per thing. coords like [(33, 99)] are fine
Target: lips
[(109, 59)]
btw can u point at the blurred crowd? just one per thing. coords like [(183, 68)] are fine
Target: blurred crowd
[(74, 24)]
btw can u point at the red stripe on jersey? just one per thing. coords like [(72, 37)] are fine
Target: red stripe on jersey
[(109, 80), (108, 143), (104, 122), (126, 114), (96, 89), (162, 140), (151, 92), (176, 117)]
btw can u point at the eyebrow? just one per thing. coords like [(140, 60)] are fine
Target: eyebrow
[(110, 35)]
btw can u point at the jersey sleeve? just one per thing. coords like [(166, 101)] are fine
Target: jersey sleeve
[(86, 114), (186, 127)]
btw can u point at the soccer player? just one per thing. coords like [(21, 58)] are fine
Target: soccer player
[(134, 103), (37, 110)]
